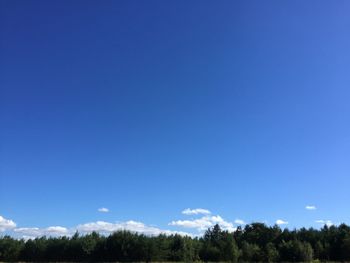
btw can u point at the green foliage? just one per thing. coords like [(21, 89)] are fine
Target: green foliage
[(296, 251), (250, 252), (10, 249), (255, 243), (271, 252), (218, 245)]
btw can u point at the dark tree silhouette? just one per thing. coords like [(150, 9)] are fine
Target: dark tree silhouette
[(254, 243)]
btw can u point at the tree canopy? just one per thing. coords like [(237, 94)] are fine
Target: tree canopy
[(255, 242)]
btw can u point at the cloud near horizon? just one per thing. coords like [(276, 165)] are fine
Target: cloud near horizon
[(133, 226), (281, 222), (325, 222), (33, 232), (240, 222), (199, 225), (103, 210), (6, 224), (196, 211), (101, 227), (203, 223)]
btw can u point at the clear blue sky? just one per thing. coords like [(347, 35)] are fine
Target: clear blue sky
[(151, 107)]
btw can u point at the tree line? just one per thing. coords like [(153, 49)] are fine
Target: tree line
[(255, 242)]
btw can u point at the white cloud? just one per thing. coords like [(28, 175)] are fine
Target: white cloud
[(59, 230), (6, 224), (29, 231), (196, 211), (204, 223), (33, 232), (200, 224), (133, 226), (240, 222), (281, 222), (310, 207), (325, 222), (99, 226), (103, 210)]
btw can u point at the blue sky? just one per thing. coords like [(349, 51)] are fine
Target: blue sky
[(148, 108)]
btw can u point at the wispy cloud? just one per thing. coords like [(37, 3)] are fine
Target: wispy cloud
[(98, 226), (310, 207), (200, 224), (196, 211), (133, 226), (6, 224), (325, 222), (33, 232), (103, 210), (203, 223), (240, 222), (281, 222)]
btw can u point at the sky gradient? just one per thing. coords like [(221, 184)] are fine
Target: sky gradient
[(147, 108)]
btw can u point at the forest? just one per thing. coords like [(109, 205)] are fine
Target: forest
[(255, 242)]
